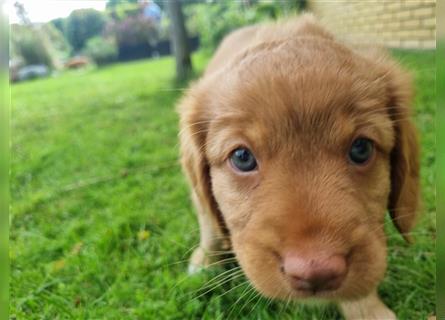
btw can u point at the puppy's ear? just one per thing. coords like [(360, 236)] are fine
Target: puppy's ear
[(194, 123), (404, 197)]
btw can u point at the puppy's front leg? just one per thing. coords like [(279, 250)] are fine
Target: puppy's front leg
[(211, 240), (369, 308)]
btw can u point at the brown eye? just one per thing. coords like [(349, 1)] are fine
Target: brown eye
[(361, 151), (243, 160)]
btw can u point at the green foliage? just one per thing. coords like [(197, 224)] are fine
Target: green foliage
[(101, 220), (103, 51), (59, 45), (122, 10), (31, 45), (44, 44), (84, 24), (59, 24), (213, 21)]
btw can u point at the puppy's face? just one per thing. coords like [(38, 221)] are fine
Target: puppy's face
[(299, 148)]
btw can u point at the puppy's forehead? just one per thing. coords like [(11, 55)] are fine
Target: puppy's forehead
[(325, 99)]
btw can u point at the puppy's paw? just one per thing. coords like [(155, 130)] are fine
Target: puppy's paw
[(369, 308), (377, 314), (380, 313), (385, 314), (198, 261), (193, 269)]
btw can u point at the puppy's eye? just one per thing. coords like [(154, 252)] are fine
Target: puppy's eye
[(243, 160), (361, 151)]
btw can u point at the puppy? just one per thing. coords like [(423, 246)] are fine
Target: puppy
[(295, 146)]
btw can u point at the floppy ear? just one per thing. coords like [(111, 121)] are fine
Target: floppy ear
[(404, 197), (194, 122)]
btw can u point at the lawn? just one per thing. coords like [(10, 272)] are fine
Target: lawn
[(101, 224), (440, 170)]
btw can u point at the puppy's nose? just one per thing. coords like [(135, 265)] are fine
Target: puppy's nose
[(318, 273)]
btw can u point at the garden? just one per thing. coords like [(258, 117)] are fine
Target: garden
[(101, 222)]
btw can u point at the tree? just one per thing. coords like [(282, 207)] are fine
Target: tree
[(60, 24), (179, 40), (82, 25), (22, 14), (29, 42)]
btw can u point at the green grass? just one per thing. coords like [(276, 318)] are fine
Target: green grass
[(440, 171), (101, 222)]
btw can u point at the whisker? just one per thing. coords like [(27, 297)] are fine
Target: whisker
[(190, 125), (223, 261), (246, 291), (220, 283), (233, 270), (253, 293), (256, 294), (219, 278), (222, 237), (233, 288), (255, 305)]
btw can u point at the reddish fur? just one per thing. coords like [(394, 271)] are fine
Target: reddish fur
[(297, 98)]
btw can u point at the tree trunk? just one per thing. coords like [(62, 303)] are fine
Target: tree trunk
[(179, 39)]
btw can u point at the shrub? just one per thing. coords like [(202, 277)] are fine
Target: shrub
[(134, 30), (59, 46), (103, 51), (31, 45), (214, 20), (59, 24), (122, 10), (82, 25)]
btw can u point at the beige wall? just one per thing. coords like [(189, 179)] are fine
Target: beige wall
[(394, 23), (441, 19)]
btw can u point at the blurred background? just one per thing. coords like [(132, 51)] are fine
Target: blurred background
[(50, 36), (106, 32), (101, 225)]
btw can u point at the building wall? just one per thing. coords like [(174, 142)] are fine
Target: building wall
[(440, 14), (394, 23)]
